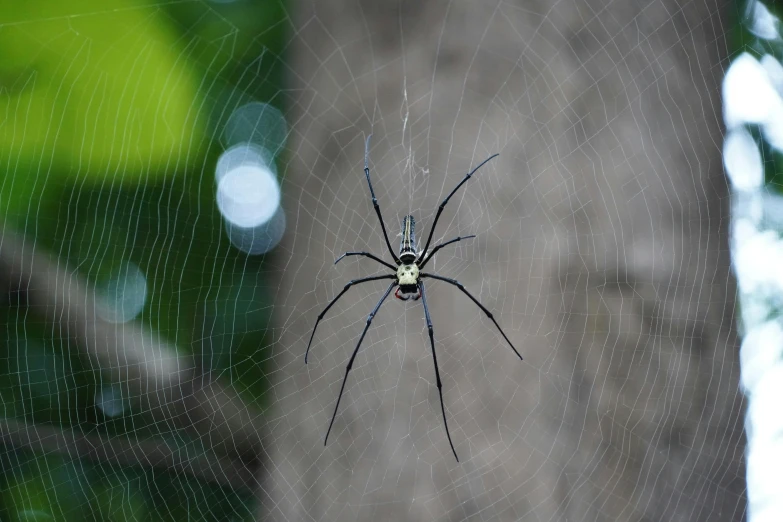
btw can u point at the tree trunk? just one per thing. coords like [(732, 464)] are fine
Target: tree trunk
[(601, 250)]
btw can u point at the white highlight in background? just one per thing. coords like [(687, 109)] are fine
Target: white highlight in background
[(248, 193), (760, 22), (758, 263), (742, 159), (752, 95), (243, 154), (774, 71), (748, 93), (258, 240), (760, 351), (765, 454), (248, 197)]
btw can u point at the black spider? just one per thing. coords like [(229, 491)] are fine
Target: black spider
[(408, 278)]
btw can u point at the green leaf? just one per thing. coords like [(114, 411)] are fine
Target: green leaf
[(95, 89)]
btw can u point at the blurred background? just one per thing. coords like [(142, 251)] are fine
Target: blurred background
[(179, 178)]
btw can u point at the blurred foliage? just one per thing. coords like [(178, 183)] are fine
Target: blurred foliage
[(112, 113), (744, 40), (54, 488), (92, 90)]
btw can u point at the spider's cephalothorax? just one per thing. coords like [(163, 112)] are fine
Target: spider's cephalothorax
[(407, 276)]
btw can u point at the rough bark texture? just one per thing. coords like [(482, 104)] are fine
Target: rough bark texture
[(601, 248)]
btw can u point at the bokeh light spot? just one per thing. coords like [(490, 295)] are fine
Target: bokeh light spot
[(248, 196), (748, 93), (258, 123), (742, 159), (123, 296), (110, 401)]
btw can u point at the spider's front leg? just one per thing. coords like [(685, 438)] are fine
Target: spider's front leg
[(443, 205), (438, 247), (374, 199)]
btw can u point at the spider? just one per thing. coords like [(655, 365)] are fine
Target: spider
[(407, 277)]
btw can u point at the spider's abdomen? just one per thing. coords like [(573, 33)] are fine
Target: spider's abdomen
[(408, 243), (408, 276)]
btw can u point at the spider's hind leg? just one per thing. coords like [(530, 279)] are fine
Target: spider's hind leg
[(353, 355), (483, 308), (331, 303), (438, 383)]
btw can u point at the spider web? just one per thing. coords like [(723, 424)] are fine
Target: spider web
[(600, 250)]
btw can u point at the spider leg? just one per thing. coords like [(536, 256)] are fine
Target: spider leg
[(375, 200), (442, 205), (487, 312), (435, 360), (345, 289), (366, 254), (355, 351), (438, 247)]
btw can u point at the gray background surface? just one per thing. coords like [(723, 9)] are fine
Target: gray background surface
[(602, 249)]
